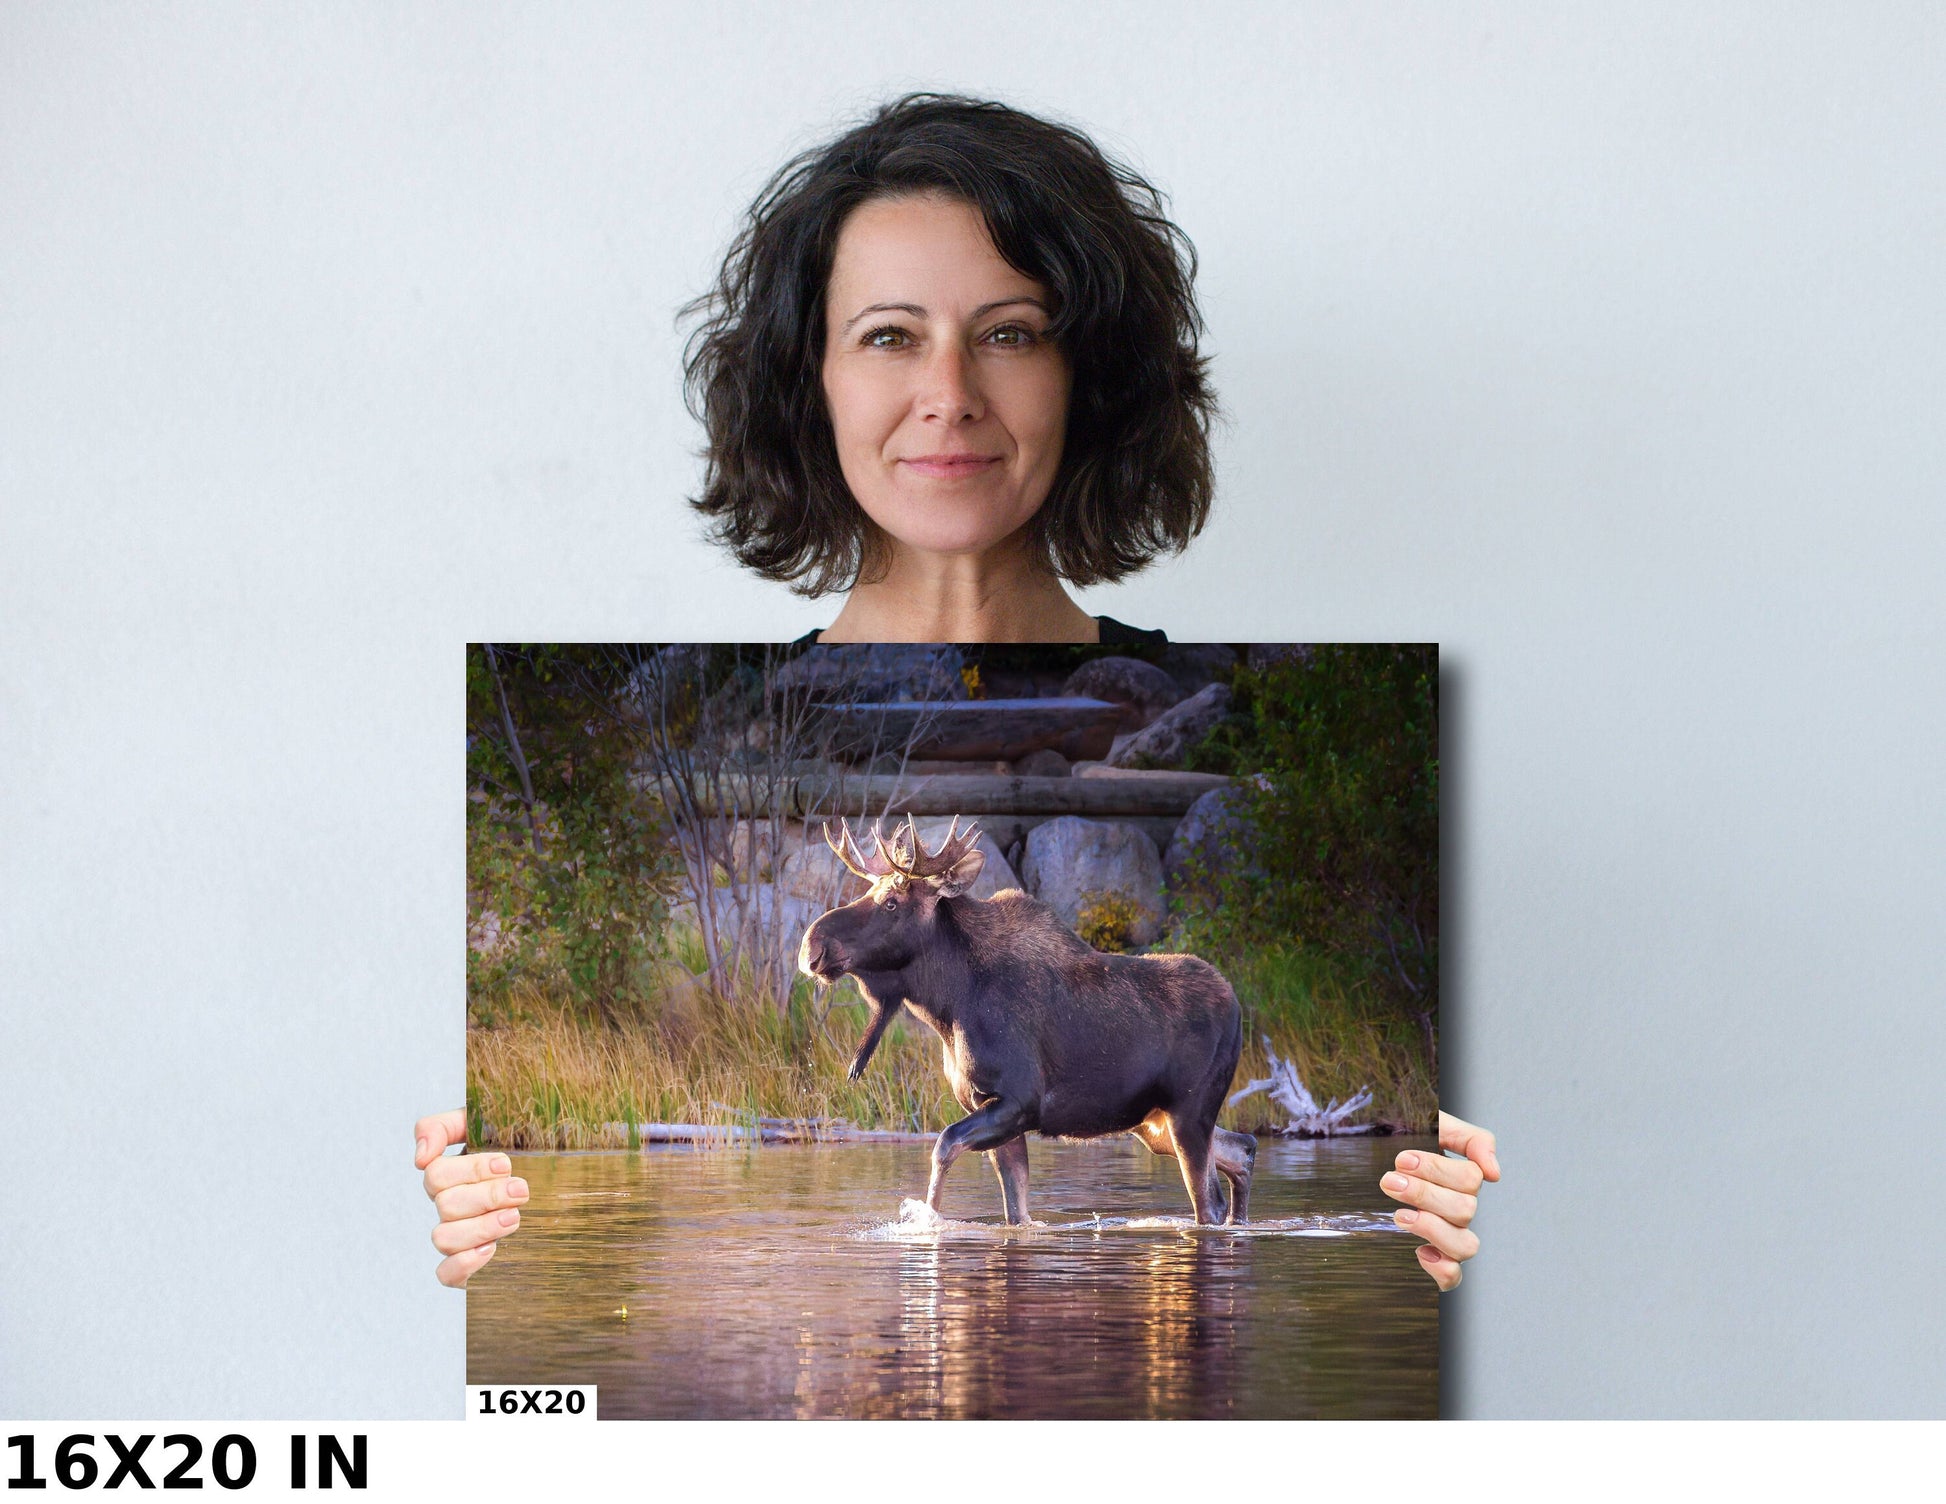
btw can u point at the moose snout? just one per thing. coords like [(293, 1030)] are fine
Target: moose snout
[(818, 957)]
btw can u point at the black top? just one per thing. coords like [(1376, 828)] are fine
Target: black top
[(1111, 631)]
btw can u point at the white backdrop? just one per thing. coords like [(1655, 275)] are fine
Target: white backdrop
[(1601, 345)]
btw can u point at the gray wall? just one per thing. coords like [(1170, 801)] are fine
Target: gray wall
[(1601, 345)]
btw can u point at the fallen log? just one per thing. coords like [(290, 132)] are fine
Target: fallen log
[(768, 1131), (1075, 727), (832, 794)]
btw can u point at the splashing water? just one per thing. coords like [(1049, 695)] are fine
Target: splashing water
[(919, 1223)]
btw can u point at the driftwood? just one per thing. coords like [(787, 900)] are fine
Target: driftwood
[(1308, 1120)]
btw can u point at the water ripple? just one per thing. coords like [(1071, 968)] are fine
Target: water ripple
[(919, 1223)]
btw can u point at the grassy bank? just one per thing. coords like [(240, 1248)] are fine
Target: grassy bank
[(545, 1074)]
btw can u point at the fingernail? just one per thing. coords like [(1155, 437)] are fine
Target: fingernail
[(501, 1165), (1494, 1160), (510, 1218), (517, 1189), (1429, 1253), (1408, 1161), (421, 1151), (1405, 1216), (1395, 1182)]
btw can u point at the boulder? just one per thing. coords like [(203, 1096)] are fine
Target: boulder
[(1043, 762), (755, 847), (771, 913), (1194, 664), (1143, 690), (1165, 741), (1068, 860), (1208, 837), (876, 671), (814, 873)]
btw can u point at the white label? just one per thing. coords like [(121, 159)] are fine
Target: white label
[(530, 1401)]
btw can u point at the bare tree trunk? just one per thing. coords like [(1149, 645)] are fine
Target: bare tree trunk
[(717, 782), (513, 749)]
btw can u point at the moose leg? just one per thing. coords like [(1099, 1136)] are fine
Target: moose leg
[(1193, 1152), (1235, 1155), (988, 1128), (1010, 1164), (1154, 1131), (882, 1014)]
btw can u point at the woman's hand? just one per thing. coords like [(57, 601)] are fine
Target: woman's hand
[(1441, 1194), (478, 1196)]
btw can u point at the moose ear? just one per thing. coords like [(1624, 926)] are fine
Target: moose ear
[(957, 879)]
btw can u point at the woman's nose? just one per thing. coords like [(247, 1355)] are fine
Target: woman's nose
[(951, 389)]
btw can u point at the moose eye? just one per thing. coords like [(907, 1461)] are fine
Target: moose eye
[(890, 904)]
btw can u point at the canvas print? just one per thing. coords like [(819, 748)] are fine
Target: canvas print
[(955, 1031)]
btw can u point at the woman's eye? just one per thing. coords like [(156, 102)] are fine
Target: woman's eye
[(1011, 336), (887, 338)]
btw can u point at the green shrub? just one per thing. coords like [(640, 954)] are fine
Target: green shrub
[(1338, 839), (569, 862)]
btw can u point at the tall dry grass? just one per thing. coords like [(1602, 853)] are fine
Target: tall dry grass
[(550, 1077), (1340, 1035)]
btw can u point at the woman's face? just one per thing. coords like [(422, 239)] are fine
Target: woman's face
[(947, 399)]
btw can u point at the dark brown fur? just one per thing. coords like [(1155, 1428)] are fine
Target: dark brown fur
[(1041, 1033)]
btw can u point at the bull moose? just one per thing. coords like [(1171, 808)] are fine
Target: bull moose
[(1042, 1032)]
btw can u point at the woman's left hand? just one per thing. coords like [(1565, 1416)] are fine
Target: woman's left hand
[(478, 1195), (1441, 1195)]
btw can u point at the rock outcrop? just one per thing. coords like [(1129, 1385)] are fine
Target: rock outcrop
[(1207, 842), (1143, 690), (876, 671), (1043, 762), (1069, 860), (1167, 740), (1194, 664)]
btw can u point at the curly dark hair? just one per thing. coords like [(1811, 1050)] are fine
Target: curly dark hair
[(1135, 476)]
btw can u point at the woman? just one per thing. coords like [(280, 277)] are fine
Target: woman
[(949, 365), (950, 368)]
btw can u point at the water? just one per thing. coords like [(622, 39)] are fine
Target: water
[(800, 1280)]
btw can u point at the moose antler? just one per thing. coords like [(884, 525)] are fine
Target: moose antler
[(957, 843), (904, 854), (846, 848)]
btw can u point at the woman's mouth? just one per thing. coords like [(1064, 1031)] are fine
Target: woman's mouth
[(951, 466)]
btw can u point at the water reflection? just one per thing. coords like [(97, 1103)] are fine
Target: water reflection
[(776, 1283)]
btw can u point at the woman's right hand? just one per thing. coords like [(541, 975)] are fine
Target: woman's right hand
[(478, 1196), (1441, 1195)]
